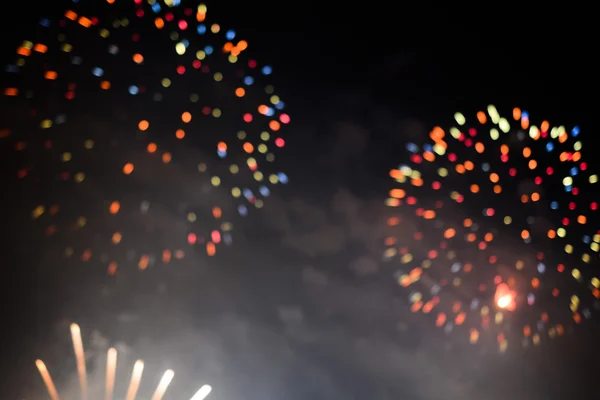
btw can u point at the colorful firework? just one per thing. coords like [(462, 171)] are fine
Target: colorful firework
[(149, 131), (491, 202), (111, 368)]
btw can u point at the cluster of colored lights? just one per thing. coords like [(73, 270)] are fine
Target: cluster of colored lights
[(122, 116), (476, 214)]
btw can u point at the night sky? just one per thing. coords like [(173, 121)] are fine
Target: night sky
[(280, 314)]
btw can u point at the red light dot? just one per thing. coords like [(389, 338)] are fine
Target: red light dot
[(216, 236), (182, 25), (436, 185), (196, 64), (504, 158), (252, 64), (549, 171), (452, 157), (490, 212), (594, 205), (538, 180), (571, 206), (248, 117), (472, 132), (139, 13), (468, 143), (284, 118), (512, 172), (583, 166), (169, 17), (192, 238), (575, 191), (135, 37), (181, 70), (565, 221), (279, 142)]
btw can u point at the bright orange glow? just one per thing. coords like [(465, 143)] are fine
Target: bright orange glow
[(505, 298)]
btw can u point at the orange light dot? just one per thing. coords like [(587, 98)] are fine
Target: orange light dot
[(248, 147), (114, 208), (143, 125), (211, 249), (240, 92), (138, 58), (166, 158), (274, 125), (481, 117), (180, 133), (186, 117), (128, 168), (516, 113), (105, 85), (152, 147)]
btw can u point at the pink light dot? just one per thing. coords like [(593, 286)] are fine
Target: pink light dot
[(279, 142), (284, 118), (216, 236), (182, 25), (192, 238), (248, 117)]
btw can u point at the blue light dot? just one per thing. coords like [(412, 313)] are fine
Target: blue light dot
[(248, 80), (413, 148), (524, 115), (45, 22), (208, 50), (98, 72), (280, 105), (282, 177), (264, 191), (230, 35), (574, 171), (266, 70), (554, 205), (575, 131), (242, 210), (12, 68), (133, 90), (485, 167), (541, 268), (587, 239), (270, 112), (186, 43), (156, 7), (201, 29), (568, 188), (247, 193), (549, 147), (221, 153)]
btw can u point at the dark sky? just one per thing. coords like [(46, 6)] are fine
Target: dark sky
[(258, 321)]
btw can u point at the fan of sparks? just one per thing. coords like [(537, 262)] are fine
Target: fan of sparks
[(111, 368), (477, 216), (140, 136)]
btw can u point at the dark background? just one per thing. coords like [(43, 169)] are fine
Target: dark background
[(371, 64)]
